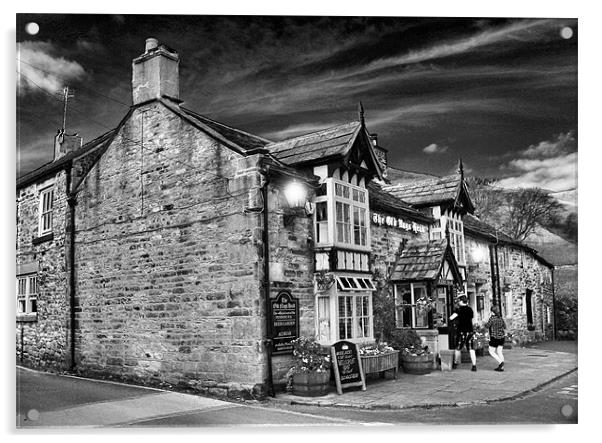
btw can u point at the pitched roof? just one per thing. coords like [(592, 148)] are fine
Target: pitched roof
[(236, 139), (474, 226), (331, 142), (428, 191), (243, 139), (420, 260), (88, 149), (381, 199)]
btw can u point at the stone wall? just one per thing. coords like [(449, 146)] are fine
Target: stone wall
[(291, 265), (168, 262), (519, 271), (478, 274), (42, 339), (386, 241)]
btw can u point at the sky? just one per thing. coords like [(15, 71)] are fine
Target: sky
[(500, 93)]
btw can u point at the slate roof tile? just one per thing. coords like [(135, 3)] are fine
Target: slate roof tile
[(420, 260)]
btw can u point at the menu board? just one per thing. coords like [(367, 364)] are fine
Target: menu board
[(285, 322), (347, 365)]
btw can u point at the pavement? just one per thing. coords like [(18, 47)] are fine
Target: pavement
[(526, 370)]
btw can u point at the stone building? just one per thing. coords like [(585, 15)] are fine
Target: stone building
[(154, 252)]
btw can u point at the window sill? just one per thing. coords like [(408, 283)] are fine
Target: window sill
[(27, 318), (42, 238)]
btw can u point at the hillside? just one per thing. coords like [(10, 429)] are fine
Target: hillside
[(552, 247)]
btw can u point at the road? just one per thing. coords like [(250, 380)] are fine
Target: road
[(58, 401), (556, 403)]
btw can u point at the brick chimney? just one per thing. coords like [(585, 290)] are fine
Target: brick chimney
[(65, 143), (155, 73)]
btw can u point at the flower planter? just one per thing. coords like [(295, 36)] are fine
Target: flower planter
[(417, 364), (380, 363), (311, 384)]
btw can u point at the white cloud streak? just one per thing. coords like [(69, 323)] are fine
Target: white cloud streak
[(52, 71), (434, 148), (551, 164)]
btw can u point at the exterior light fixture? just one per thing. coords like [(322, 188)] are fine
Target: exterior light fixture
[(295, 194), (478, 254)]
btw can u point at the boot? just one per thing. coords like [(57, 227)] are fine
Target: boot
[(500, 368)]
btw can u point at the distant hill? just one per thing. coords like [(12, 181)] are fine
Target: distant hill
[(567, 198), (552, 247)]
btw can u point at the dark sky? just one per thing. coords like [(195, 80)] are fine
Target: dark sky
[(500, 93)]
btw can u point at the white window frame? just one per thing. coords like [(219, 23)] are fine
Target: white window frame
[(399, 304), (456, 235), (327, 323), (332, 199), (45, 211), (27, 294)]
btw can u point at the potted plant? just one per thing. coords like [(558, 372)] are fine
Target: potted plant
[(415, 358), (310, 374)]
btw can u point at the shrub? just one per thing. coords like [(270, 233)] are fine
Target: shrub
[(404, 338)]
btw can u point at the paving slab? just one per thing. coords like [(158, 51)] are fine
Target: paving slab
[(526, 369)]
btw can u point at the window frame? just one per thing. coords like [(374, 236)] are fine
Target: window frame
[(46, 211), (344, 212), (400, 306), (29, 296), (328, 324)]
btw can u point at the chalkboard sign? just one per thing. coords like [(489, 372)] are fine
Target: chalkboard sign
[(347, 365), (285, 322)]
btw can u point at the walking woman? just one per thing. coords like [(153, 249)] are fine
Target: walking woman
[(497, 334)]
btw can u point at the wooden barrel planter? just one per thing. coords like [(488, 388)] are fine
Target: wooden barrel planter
[(417, 364), (311, 384)]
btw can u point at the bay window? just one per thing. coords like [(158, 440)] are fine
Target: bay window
[(346, 205)]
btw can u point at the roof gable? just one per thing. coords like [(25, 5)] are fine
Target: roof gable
[(348, 142), (450, 190), (425, 260)]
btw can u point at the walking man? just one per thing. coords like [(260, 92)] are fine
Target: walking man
[(465, 332), (497, 334)]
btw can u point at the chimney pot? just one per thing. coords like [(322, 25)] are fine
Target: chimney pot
[(151, 44)]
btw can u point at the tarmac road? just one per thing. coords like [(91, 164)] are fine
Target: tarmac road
[(49, 400)]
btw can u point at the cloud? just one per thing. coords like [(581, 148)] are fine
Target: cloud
[(563, 144), (550, 164), (434, 148), (42, 70), (295, 130)]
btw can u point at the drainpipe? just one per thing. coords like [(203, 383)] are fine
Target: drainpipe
[(71, 201), (493, 285), (497, 273), (554, 331), (266, 283)]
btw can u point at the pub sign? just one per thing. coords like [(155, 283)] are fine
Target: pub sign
[(285, 322)]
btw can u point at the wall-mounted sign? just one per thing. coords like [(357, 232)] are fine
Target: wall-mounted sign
[(285, 322), (396, 222), (347, 365)]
